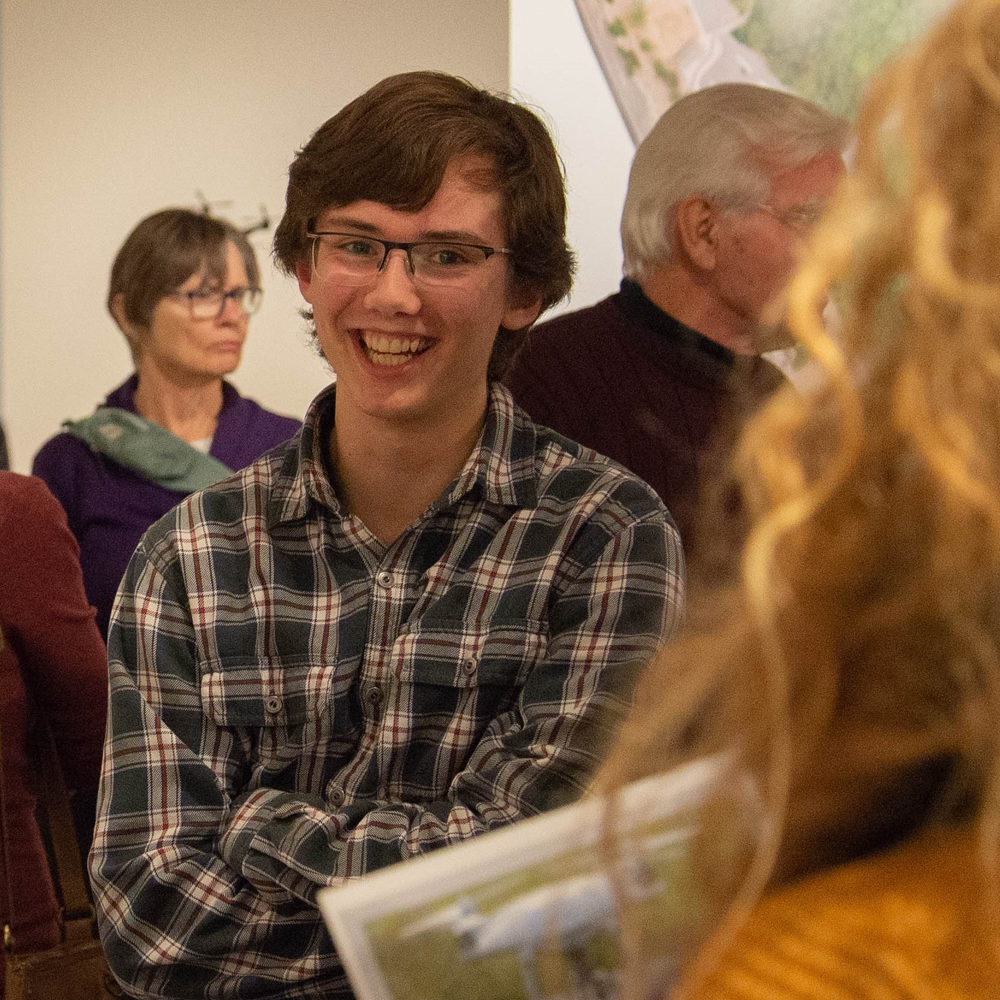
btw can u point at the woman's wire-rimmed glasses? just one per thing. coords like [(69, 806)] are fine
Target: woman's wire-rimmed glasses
[(210, 303)]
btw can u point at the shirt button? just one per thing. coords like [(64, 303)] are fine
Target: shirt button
[(384, 579), (375, 696), (273, 704), (335, 795), (469, 665)]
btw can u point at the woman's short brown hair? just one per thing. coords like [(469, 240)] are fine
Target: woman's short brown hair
[(164, 250), (393, 144)]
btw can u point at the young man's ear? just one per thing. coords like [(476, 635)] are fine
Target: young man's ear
[(523, 307), (696, 223), (303, 274)]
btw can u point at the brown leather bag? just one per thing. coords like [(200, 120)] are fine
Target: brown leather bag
[(74, 969)]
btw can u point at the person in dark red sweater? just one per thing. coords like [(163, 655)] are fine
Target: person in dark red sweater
[(721, 193), (53, 666)]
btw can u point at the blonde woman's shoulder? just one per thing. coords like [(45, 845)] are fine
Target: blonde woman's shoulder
[(903, 924)]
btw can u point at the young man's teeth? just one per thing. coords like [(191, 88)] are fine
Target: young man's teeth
[(388, 359), (385, 350)]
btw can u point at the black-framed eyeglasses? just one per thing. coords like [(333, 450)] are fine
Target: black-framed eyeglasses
[(353, 259), (210, 303)]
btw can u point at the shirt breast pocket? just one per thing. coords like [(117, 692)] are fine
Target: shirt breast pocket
[(452, 682), (450, 654), (279, 710)]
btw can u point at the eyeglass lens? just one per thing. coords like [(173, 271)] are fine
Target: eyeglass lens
[(357, 259), (208, 304)]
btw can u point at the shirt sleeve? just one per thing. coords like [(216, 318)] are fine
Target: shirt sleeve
[(190, 869), (49, 623)]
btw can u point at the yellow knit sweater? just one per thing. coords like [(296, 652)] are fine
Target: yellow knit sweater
[(899, 926)]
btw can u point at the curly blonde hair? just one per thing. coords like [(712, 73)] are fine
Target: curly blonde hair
[(858, 655)]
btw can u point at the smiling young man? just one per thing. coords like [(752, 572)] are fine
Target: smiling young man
[(420, 621)]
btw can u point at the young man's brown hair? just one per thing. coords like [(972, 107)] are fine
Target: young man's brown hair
[(393, 144)]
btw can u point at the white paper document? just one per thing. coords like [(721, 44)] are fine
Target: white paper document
[(530, 911)]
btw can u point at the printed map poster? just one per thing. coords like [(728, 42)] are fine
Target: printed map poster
[(653, 52), (529, 912)]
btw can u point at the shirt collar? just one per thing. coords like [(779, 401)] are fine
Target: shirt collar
[(501, 466), (635, 303)]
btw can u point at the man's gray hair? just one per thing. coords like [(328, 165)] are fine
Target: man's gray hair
[(721, 143)]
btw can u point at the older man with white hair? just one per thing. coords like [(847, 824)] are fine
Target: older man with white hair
[(721, 193)]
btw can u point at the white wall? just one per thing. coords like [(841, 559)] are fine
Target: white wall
[(114, 108), (553, 67)]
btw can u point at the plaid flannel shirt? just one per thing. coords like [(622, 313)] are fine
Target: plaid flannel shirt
[(294, 703)]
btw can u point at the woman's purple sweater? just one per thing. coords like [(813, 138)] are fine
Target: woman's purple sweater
[(110, 507)]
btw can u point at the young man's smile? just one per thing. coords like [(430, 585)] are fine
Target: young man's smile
[(391, 349)]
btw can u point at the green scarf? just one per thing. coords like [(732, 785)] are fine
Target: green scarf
[(148, 448)]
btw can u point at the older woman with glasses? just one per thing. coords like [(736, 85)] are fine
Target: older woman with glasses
[(182, 289)]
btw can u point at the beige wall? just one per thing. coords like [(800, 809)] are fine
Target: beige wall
[(553, 67), (112, 109)]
